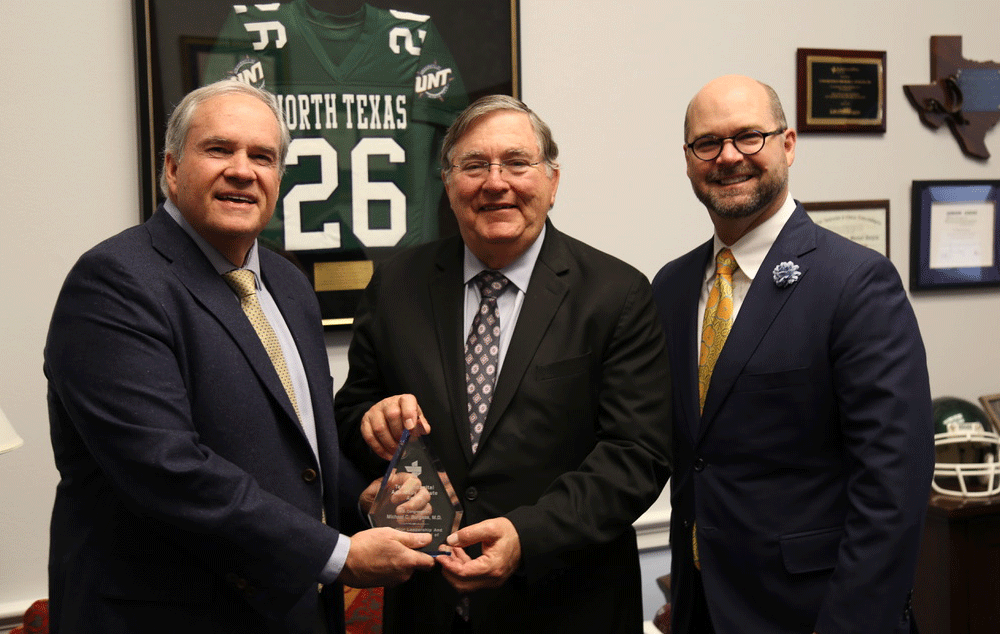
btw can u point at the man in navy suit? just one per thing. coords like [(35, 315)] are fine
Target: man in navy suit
[(801, 481), (198, 493), (573, 444)]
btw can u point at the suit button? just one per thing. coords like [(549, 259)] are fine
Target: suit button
[(309, 475), (686, 524), (699, 464), (471, 494)]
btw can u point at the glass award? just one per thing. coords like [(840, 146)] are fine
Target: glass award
[(416, 495)]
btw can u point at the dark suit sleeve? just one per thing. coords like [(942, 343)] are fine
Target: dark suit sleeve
[(881, 386), (129, 429)]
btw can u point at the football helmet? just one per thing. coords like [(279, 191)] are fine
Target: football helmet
[(967, 452)]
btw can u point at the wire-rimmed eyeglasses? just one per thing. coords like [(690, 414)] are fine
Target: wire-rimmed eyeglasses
[(748, 142), (476, 168)]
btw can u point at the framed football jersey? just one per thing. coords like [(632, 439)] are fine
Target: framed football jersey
[(367, 90)]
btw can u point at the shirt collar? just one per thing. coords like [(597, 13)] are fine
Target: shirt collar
[(218, 261), (752, 248), (518, 271)]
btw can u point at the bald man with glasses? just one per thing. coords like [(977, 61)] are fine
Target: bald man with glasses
[(802, 442)]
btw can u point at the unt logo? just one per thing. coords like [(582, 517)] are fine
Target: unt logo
[(249, 71), (433, 81)]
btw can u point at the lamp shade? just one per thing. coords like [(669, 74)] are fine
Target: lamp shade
[(8, 437)]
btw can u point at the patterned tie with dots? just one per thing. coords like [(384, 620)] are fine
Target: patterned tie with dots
[(242, 282), (482, 352), (715, 329)]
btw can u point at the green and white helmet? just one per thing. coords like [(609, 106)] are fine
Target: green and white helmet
[(967, 450)]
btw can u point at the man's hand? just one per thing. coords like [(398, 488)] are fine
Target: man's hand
[(408, 499), (384, 557), (501, 555), (368, 496), (383, 424)]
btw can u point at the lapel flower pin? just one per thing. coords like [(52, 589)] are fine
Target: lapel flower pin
[(786, 274)]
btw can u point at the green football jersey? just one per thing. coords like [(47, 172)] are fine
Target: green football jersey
[(367, 98)]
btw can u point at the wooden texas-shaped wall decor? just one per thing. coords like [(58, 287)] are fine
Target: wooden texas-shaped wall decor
[(963, 93)]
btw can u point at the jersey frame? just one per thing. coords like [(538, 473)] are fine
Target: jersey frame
[(173, 37)]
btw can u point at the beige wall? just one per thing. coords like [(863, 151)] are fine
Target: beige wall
[(611, 78)]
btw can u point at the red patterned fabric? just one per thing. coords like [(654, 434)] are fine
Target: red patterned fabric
[(363, 610), (36, 619)]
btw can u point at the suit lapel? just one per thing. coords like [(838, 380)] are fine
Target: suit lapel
[(762, 304), (446, 289), (545, 293), (295, 316), (683, 332), (196, 273)]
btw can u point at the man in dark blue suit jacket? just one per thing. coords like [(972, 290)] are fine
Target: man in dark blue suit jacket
[(802, 485), (193, 493)]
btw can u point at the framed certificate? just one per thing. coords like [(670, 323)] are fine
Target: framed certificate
[(840, 91), (863, 221), (367, 89), (955, 236)]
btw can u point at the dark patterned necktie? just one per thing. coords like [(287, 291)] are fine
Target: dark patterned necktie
[(482, 352)]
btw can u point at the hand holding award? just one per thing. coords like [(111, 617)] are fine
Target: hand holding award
[(416, 495)]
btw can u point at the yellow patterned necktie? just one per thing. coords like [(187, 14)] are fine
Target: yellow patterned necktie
[(242, 281), (718, 320), (715, 329)]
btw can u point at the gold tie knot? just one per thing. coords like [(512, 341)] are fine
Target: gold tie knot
[(242, 281), (725, 263)]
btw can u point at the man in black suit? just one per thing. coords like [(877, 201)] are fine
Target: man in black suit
[(804, 457), (561, 440), (201, 476)]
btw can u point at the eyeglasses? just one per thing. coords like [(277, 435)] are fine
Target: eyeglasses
[(478, 169), (748, 142)]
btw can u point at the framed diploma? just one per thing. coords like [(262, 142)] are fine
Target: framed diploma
[(840, 91), (863, 221), (955, 235)]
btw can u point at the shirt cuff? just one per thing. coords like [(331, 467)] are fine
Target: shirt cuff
[(337, 560)]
